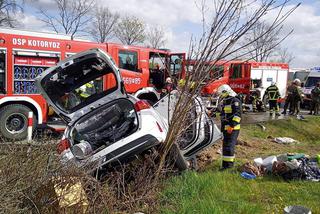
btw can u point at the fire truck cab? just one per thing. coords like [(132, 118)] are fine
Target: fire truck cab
[(24, 55)]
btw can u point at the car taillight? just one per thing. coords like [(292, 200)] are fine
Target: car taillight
[(141, 104), (63, 145)]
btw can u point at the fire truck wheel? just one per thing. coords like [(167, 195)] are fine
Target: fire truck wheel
[(14, 121)]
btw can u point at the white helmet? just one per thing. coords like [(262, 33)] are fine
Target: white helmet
[(168, 80), (273, 83), (226, 89), (297, 81)]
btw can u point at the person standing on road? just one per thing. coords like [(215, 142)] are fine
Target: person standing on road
[(298, 99), (230, 123), (272, 93), (315, 96), (292, 92)]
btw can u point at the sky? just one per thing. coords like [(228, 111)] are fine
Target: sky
[(181, 20)]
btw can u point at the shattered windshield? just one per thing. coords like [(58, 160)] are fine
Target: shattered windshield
[(79, 84)]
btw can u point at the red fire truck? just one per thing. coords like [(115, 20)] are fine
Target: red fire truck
[(24, 55), (245, 77)]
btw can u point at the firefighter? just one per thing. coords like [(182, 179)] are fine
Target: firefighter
[(257, 104), (298, 99), (315, 102), (292, 92), (272, 94), (168, 87), (230, 123), (191, 84), (86, 90)]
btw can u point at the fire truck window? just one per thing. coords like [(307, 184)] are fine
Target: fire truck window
[(2, 73), (175, 65), (128, 60), (217, 72), (236, 71)]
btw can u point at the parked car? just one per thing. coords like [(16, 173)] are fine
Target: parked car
[(107, 125)]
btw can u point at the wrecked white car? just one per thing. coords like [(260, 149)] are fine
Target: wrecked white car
[(107, 125)]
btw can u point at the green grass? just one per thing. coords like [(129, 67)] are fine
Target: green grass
[(307, 131), (212, 191)]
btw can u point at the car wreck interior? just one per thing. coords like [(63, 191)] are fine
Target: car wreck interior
[(106, 125)]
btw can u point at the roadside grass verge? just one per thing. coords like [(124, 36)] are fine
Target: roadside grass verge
[(212, 191)]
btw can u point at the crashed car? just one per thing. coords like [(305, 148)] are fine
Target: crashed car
[(107, 125)]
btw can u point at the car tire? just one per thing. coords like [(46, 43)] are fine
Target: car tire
[(14, 121), (178, 158)]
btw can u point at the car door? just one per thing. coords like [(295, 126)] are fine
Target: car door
[(201, 131)]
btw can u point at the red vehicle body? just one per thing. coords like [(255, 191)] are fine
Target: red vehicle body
[(245, 77), (24, 55)]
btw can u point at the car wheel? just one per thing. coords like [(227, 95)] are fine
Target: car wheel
[(14, 121), (178, 158)]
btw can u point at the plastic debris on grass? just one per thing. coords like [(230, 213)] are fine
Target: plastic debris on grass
[(289, 166), (285, 140)]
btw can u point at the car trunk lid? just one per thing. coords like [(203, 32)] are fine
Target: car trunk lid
[(81, 83)]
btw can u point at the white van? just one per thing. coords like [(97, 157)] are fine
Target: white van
[(311, 81)]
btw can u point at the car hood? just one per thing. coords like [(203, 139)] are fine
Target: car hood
[(81, 83)]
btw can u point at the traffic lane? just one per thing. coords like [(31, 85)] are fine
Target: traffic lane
[(258, 117)]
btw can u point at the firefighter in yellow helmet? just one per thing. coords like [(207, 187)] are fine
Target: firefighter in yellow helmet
[(230, 123), (182, 82)]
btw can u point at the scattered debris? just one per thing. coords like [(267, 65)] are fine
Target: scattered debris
[(262, 127), (289, 166), (253, 169), (296, 210), (300, 117), (285, 140), (248, 176), (268, 162)]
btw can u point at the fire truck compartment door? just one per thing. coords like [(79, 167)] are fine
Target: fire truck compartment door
[(75, 87)]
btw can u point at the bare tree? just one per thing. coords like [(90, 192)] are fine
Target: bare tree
[(8, 8), (155, 37), (71, 18), (130, 30), (265, 40), (231, 21), (284, 55), (103, 24)]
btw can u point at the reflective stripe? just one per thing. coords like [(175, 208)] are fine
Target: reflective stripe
[(228, 158), (237, 127), (237, 119), (227, 109)]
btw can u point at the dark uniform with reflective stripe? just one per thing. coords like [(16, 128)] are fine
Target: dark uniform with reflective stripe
[(230, 117), (273, 94)]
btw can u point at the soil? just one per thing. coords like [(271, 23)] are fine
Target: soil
[(246, 150)]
